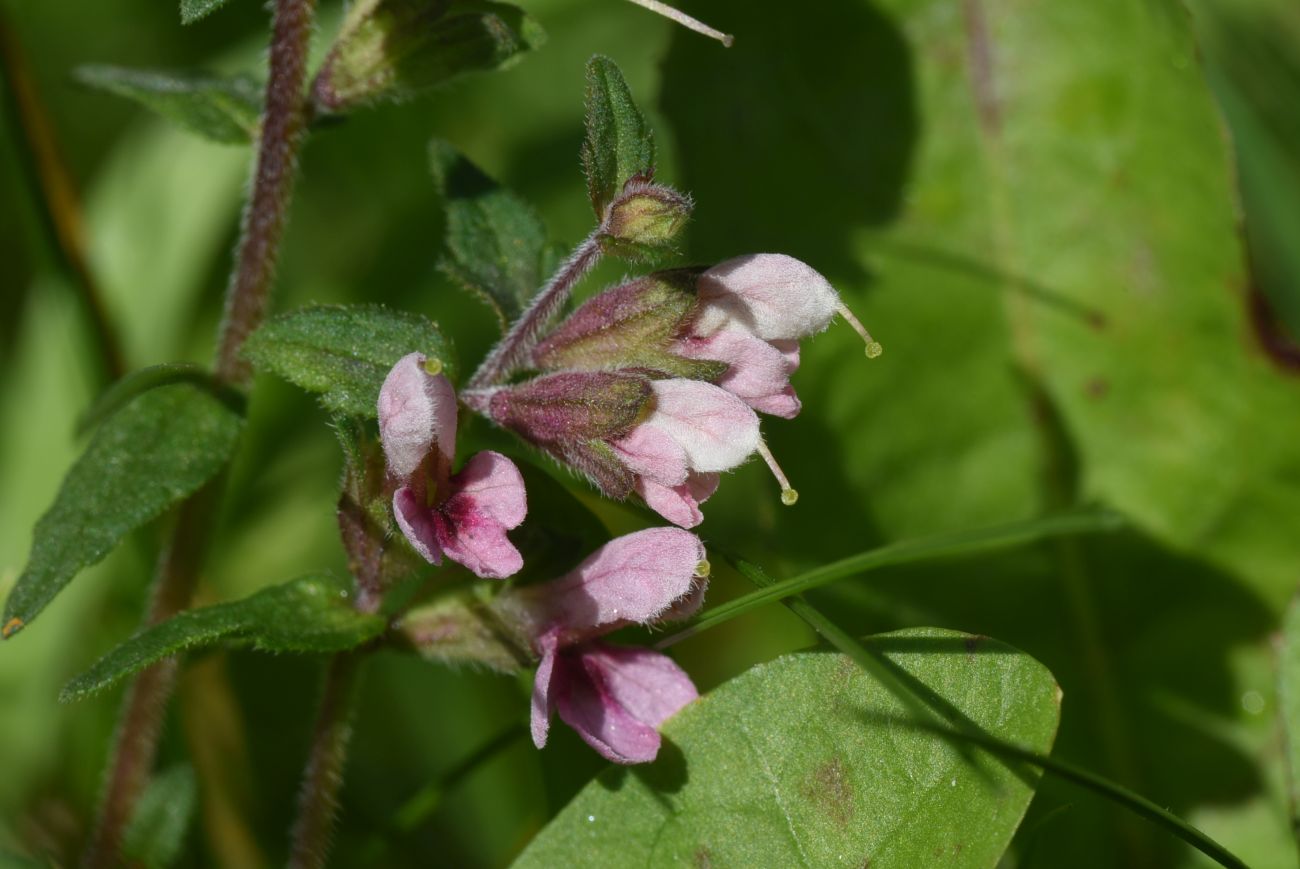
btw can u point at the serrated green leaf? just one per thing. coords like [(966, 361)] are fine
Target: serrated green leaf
[(798, 762), (313, 614), (496, 243), (619, 144), (193, 10), (344, 352), (224, 110), (154, 837), (152, 453), (395, 49)]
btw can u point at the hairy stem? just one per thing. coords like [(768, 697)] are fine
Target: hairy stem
[(283, 125), (318, 796), (55, 194), (140, 724), (513, 349)]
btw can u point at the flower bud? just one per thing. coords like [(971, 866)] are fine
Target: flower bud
[(632, 325), (391, 49), (643, 220), (571, 407)]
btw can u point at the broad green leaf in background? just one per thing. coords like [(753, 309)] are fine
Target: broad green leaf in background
[(496, 243), (193, 10), (1047, 247), (313, 614), (619, 144), (152, 453), (223, 109), (1288, 706), (344, 352), (156, 834), (395, 49), (806, 761)]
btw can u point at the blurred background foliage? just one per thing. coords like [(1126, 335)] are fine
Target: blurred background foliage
[(1034, 207)]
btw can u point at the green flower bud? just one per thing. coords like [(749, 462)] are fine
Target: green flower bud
[(393, 49), (644, 220)]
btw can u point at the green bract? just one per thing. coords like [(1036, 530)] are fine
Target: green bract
[(344, 352), (619, 144), (312, 614)]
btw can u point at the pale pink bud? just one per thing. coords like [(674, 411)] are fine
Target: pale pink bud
[(772, 295), (417, 414)]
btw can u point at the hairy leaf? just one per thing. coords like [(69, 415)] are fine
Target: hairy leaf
[(153, 452), (141, 380), (344, 352), (394, 49), (313, 614), (221, 109), (619, 144), (807, 761), (496, 243), (161, 819)]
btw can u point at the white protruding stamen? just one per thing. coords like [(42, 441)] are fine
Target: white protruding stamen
[(685, 20), (873, 346), (788, 494)]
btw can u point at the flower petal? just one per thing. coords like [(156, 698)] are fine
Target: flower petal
[(496, 487), (717, 430), (772, 295), (674, 503), (625, 695), (544, 684), (417, 414), (476, 540), (759, 373), (650, 452), (418, 523)]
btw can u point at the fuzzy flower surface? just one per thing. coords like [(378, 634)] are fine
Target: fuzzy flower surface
[(615, 697), (462, 516)]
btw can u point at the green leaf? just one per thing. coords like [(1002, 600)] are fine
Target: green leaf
[(141, 380), (224, 110), (395, 49), (154, 837), (313, 614), (619, 145), (801, 762), (496, 243), (153, 452), (344, 352), (193, 10)]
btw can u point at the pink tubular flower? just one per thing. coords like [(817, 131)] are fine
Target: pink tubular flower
[(614, 697), (464, 516), (752, 312), (695, 431)]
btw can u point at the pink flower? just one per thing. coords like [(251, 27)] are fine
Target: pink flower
[(695, 431), (464, 516), (614, 697), (752, 312)]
